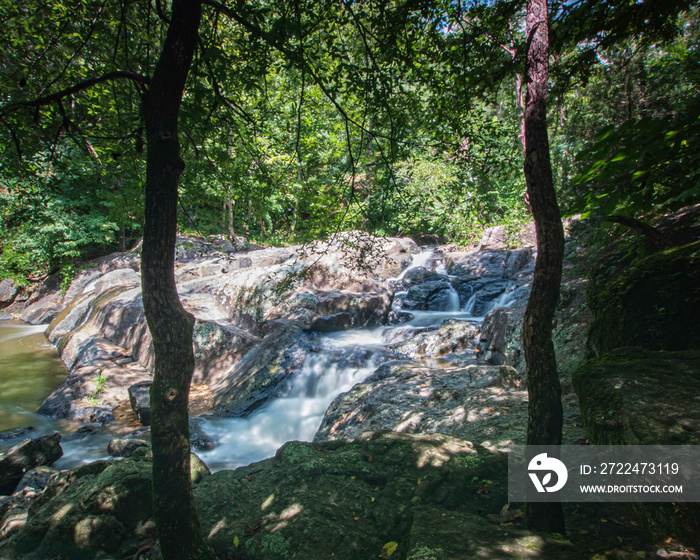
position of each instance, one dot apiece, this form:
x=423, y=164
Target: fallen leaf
x=418, y=481
x=372, y=498
x=236, y=541
x=388, y=549
x=356, y=518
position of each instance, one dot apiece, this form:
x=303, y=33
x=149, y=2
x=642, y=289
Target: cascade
x=345, y=359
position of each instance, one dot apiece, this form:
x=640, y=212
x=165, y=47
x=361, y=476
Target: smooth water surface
x=30, y=370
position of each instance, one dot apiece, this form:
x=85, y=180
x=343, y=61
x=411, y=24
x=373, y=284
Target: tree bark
x=544, y=390
x=170, y=325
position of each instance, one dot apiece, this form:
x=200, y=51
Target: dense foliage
x=401, y=122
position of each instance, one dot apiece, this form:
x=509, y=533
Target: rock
x=8, y=291
x=489, y=263
x=25, y=456
x=433, y=296
x=494, y=239
x=140, y=401
x=451, y=336
x=257, y=376
x=217, y=349
x=465, y=535
x=420, y=275
x=16, y=433
x=654, y=303
x=364, y=494
x=44, y=303
x=36, y=478
x=123, y=447
x=198, y=469
x=501, y=336
x=92, y=392
x=406, y=396
x=88, y=512
x=637, y=396
x=198, y=439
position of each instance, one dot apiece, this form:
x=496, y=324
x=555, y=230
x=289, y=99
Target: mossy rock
x=101, y=510
x=346, y=500
x=87, y=513
x=635, y=396
x=455, y=535
x=655, y=303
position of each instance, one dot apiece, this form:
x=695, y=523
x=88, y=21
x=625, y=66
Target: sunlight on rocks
x=268, y=502
x=281, y=521
x=61, y=513
x=219, y=526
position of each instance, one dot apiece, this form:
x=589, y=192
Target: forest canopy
x=406, y=120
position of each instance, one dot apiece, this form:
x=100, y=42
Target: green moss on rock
x=655, y=303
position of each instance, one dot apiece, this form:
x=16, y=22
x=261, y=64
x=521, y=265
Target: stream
x=31, y=370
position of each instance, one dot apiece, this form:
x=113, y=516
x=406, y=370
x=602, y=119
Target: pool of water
x=30, y=370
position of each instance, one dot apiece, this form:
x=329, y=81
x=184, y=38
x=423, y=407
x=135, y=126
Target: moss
x=427, y=553
x=654, y=303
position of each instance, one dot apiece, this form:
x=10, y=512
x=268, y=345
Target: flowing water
x=30, y=370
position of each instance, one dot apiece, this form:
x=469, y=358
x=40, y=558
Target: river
x=31, y=370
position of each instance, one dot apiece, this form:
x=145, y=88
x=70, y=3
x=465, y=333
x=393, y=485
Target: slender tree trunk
x=171, y=326
x=229, y=219
x=545, y=408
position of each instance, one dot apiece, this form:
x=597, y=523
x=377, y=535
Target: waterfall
x=469, y=306
x=297, y=414
x=453, y=300
x=421, y=259
x=506, y=299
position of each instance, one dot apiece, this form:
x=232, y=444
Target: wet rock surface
x=27, y=455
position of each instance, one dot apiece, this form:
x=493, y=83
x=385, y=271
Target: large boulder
x=490, y=263
x=384, y=494
x=433, y=296
x=441, y=341
x=478, y=403
x=636, y=396
x=25, y=456
x=8, y=291
x=262, y=371
x=94, y=389
x=44, y=303
x=655, y=303
x=350, y=500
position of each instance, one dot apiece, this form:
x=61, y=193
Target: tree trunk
x=544, y=390
x=171, y=326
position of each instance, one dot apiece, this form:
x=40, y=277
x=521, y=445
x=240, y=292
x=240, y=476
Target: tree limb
x=80, y=86
x=658, y=239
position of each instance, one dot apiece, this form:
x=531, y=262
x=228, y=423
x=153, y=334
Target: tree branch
x=80, y=86
x=658, y=239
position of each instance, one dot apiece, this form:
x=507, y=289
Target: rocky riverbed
x=302, y=343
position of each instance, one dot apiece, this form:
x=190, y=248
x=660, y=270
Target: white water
x=469, y=306
x=297, y=415
x=453, y=300
x=346, y=358
x=506, y=299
